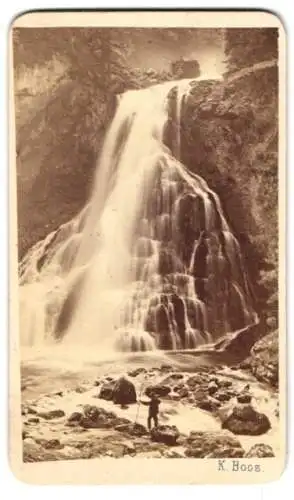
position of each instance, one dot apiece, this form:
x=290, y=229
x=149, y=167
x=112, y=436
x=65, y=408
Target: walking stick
x=139, y=402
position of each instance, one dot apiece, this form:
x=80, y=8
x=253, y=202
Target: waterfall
x=150, y=262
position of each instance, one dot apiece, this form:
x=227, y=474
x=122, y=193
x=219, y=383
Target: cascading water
x=150, y=262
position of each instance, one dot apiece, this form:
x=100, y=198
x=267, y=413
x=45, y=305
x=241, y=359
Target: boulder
x=166, y=368
x=244, y=419
x=124, y=392
x=223, y=396
x=178, y=387
x=184, y=392
x=213, y=445
x=132, y=429
x=51, y=414
x=212, y=388
x=106, y=391
x=136, y=372
x=264, y=359
x=167, y=434
x=58, y=393
x=208, y=404
x=159, y=389
x=244, y=398
x=31, y=410
x=260, y=450
x=200, y=395
x=195, y=380
x=239, y=343
x=97, y=418
x=172, y=378
x=52, y=444
x=33, y=420
x=225, y=383
x=74, y=419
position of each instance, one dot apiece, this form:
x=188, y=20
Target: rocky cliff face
x=264, y=359
x=230, y=138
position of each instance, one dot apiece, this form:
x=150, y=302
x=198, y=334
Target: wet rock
x=81, y=389
x=33, y=420
x=223, y=396
x=264, y=359
x=168, y=262
x=184, y=393
x=165, y=337
x=31, y=410
x=260, y=450
x=195, y=380
x=51, y=414
x=180, y=316
x=244, y=365
x=182, y=440
x=96, y=418
x=178, y=387
x=225, y=383
x=244, y=419
x=167, y=434
x=124, y=392
x=106, y=391
x=208, y=404
x=26, y=410
x=213, y=445
x=144, y=247
x=52, y=444
x=172, y=378
x=242, y=339
x=159, y=389
x=212, y=387
x=132, y=429
x=68, y=307
x=244, y=398
x=200, y=395
x=137, y=371
x=74, y=419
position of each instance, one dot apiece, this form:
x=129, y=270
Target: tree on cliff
x=247, y=46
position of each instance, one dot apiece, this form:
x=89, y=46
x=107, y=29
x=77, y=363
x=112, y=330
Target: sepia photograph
x=147, y=304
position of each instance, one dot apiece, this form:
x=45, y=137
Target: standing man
x=153, y=410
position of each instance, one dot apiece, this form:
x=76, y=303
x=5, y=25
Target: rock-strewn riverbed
x=212, y=412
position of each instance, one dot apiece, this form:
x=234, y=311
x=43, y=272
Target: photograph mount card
x=147, y=247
